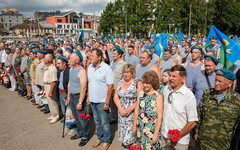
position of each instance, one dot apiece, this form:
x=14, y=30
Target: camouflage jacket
x=17, y=63
x=218, y=122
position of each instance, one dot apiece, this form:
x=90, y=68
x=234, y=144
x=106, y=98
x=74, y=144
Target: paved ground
x=23, y=127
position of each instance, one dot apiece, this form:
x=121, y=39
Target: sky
x=28, y=7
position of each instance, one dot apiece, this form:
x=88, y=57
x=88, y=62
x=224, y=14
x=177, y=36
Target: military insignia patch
x=230, y=105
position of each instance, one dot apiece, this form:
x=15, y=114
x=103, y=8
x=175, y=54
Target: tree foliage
x=144, y=16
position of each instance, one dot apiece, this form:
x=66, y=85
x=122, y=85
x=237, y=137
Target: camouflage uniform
x=20, y=79
x=218, y=122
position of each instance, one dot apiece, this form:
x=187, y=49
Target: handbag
x=69, y=116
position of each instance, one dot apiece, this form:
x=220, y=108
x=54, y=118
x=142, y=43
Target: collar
x=98, y=66
x=181, y=90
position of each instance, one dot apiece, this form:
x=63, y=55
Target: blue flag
x=154, y=37
x=230, y=51
x=181, y=37
x=45, y=43
x=81, y=37
x=122, y=36
x=175, y=37
x=160, y=45
x=235, y=39
x=103, y=36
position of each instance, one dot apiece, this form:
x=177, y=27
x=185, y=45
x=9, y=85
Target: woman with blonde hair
x=125, y=98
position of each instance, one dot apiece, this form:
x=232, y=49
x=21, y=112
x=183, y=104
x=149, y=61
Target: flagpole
x=190, y=19
x=94, y=21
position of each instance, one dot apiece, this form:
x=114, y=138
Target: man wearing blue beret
x=77, y=87
x=116, y=65
x=206, y=78
x=195, y=66
x=218, y=114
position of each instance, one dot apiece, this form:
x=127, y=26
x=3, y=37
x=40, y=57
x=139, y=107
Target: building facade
x=10, y=17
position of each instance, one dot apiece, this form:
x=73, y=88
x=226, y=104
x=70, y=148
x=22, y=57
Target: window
x=10, y=20
x=59, y=21
x=59, y=26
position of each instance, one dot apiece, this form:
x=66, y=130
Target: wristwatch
x=80, y=103
x=107, y=104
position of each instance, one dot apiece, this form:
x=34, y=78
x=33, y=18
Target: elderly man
x=50, y=80
x=206, y=78
x=100, y=88
x=77, y=86
x=116, y=66
x=145, y=65
x=218, y=114
x=180, y=111
x=39, y=81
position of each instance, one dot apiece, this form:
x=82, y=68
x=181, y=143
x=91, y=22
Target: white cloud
x=28, y=7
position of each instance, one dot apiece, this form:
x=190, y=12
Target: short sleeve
x=191, y=109
x=53, y=74
x=109, y=75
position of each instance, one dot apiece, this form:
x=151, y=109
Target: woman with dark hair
x=148, y=113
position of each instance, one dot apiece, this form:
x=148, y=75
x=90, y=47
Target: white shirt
x=179, y=112
x=4, y=56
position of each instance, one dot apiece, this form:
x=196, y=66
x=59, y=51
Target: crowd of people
x=126, y=83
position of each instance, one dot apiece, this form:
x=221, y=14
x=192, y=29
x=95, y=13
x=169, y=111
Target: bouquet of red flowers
x=62, y=91
x=42, y=94
x=18, y=69
x=174, y=134
x=136, y=145
x=86, y=112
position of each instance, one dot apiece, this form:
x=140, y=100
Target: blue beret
x=151, y=46
x=175, y=45
x=34, y=51
x=61, y=41
x=36, y=46
x=69, y=49
x=213, y=58
x=118, y=49
x=213, y=38
x=20, y=47
x=14, y=43
x=149, y=51
x=41, y=52
x=79, y=54
x=26, y=44
x=7, y=48
x=196, y=47
x=24, y=49
x=62, y=58
x=88, y=46
x=225, y=73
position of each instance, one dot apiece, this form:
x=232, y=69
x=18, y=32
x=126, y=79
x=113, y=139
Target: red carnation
x=170, y=132
x=175, y=138
x=176, y=132
x=18, y=69
x=14, y=76
x=62, y=91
